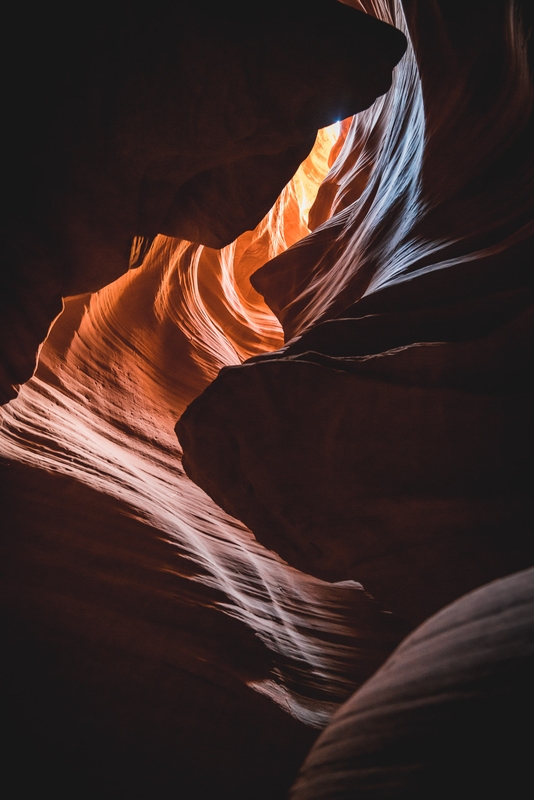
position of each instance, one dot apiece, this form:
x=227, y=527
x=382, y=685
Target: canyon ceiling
x=265, y=365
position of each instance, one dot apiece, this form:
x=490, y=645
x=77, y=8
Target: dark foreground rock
x=448, y=715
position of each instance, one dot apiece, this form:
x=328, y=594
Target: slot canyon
x=266, y=347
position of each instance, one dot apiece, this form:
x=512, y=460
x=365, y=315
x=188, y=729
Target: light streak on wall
x=101, y=410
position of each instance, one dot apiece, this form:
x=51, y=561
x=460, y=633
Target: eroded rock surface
x=155, y=118
x=447, y=715
x=387, y=442
x=152, y=647
x=155, y=647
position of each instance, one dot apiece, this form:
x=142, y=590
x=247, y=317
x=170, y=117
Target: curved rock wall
x=147, y=118
x=448, y=713
x=387, y=441
x=155, y=646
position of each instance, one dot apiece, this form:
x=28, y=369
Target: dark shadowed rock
x=437, y=178
x=404, y=470
x=448, y=715
x=116, y=680
x=152, y=648
x=138, y=119
x=388, y=440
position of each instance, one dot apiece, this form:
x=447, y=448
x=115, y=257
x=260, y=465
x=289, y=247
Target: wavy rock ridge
x=395, y=425
x=155, y=647
x=138, y=614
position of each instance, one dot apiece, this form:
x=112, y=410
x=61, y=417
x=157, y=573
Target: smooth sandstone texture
x=152, y=647
x=164, y=117
x=448, y=715
x=432, y=199
x=120, y=677
x=417, y=490
x=389, y=440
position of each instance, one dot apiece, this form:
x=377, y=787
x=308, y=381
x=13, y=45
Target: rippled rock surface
x=447, y=715
x=159, y=118
x=387, y=441
x=376, y=429
x=153, y=647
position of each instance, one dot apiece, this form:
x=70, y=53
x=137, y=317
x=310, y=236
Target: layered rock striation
x=147, y=118
x=388, y=440
x=153, y=646
x=370, y=422
x=448, y=713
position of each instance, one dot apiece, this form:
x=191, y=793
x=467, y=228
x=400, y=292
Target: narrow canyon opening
x=241, y=474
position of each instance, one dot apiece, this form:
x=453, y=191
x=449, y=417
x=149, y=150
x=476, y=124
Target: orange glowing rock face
x=143, y=588
x=170, y=120
x=414, y=283
x=115, y=373
x=189, y=310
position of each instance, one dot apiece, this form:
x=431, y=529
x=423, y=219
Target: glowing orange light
x=115, y=373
